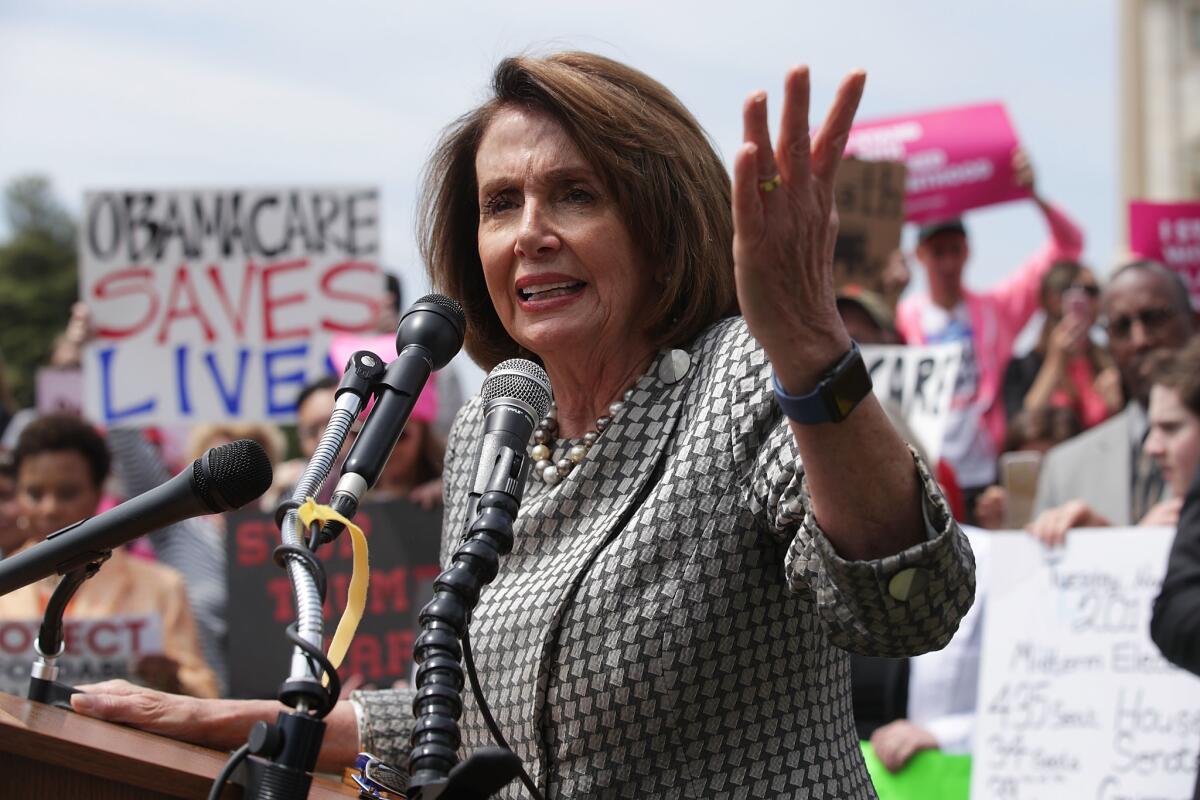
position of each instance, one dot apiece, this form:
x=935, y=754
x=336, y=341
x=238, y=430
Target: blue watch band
x=839, y=391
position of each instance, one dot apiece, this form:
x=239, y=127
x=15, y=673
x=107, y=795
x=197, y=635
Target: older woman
x=691, y=566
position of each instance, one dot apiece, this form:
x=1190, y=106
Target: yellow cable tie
x=356, y=595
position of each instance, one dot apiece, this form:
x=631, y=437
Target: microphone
x=515, y=396
x=429, y=335
x=224, y=478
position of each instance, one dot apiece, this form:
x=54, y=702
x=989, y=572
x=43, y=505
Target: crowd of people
x=1107, y=397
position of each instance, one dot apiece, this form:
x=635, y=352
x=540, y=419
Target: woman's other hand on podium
x=218, y=724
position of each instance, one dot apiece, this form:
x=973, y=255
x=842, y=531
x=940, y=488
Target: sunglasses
x=1152, y=320
x=1090, y=289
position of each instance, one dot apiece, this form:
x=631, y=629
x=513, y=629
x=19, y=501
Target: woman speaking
x=720, y=509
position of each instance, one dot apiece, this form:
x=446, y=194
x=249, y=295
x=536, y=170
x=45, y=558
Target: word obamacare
x=148, y=226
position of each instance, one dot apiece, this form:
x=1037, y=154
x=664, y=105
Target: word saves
x=215, y=304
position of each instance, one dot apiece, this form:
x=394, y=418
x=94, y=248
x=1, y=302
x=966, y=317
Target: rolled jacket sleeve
x=385, y=723
x=902, y=605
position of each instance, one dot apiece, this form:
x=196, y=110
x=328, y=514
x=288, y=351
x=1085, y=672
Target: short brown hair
x=671, y=189
x=56, y=433
x=1179, y=371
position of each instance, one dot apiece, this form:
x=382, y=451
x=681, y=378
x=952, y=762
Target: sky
x=173, y=94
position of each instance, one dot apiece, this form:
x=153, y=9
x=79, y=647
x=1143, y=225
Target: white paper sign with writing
x=212, y=305
x=1075, y=701
x=97, y=649
x=920, y=381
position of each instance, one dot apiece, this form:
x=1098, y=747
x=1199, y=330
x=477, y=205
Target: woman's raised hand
x=785, y=228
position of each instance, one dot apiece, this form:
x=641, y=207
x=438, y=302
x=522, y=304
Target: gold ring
x=771, y=183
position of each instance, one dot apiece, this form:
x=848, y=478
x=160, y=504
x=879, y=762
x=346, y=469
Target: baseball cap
x=951, y=225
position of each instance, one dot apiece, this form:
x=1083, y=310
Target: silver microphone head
x=519, y=379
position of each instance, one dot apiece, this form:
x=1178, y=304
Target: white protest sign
x=1074, y=698
x=96, y=649
x=220, y=304
x=920, y=380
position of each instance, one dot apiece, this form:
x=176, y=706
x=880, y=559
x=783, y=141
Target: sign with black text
x=403, y=542
x=870, y=207
x=1074, y=698
x=220, y=304
x=919, y=380
x=96, y=649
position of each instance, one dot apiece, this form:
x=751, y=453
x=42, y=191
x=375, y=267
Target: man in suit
x=1101, y=477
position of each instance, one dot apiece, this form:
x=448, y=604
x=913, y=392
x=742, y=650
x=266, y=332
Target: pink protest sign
x=957, y=159
x=1170, y=233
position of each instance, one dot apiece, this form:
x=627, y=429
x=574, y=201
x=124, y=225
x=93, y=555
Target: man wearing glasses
x=1146, y=309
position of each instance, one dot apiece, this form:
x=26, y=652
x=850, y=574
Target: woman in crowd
x=61, y=465
x=1066, y=369
x=700, y=545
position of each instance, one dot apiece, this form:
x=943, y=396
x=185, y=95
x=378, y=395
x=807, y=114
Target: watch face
x=849, y=386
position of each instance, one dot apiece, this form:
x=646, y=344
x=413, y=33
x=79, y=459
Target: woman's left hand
x=785, y=228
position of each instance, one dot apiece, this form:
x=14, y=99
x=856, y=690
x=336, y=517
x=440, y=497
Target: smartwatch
x=841, y=388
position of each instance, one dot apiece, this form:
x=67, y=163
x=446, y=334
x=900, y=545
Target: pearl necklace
x=543, y=437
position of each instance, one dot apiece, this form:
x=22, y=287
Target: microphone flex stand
x=51, y=642
x=433, y=763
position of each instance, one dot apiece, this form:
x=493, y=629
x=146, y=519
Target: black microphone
x=429, y=335
x=515, y=396
x=224, y=478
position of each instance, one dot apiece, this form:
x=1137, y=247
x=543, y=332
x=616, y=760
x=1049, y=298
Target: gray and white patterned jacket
x=671, y=621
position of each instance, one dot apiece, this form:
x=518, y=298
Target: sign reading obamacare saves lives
x=219, y=304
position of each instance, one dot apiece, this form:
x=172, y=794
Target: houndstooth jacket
x=671, y=621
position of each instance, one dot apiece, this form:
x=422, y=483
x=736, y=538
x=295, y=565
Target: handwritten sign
x=870, y=206
x=957, y=158
x=920, y=380
x=211, y=305
x=1170, y=233
x=97, y=649
x=404, y=542
x=1074, y=698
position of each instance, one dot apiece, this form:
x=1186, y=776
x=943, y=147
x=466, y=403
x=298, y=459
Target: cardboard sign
x=1074, y=698
x=212, y=305
x=97, y=649
x=404, y=541
x=59, y=391
x=870, y=206
x=920, y=380
x=1170, y=233
x=957, y=158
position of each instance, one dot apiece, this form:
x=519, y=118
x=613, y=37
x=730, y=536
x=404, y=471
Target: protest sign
x=958, y=158
x=59, y=391
x=1074, y=698
x=211, y=305
x=403, y=542
x=920, y=381
x=870, y=206
x=96, y=649
x=1170, y=233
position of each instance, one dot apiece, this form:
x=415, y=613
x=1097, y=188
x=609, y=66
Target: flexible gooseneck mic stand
x=433, y=764
x=51, y=642
x=281, y=756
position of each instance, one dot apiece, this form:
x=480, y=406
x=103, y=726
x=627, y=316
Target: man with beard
x=1101, y=476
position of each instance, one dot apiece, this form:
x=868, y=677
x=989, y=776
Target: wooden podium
x=46, y=752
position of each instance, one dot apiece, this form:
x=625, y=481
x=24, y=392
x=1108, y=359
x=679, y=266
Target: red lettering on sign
x=254, y=541
x=425, y=573
x=124, y=283
x=391, y=583
x=135, y=634
x=237, y=316
x=365, y=657
x=15, y=638
x=181, y=284
x=370, y=303
x=281, y=590
x=399, y=645
x=108, y=631
x=270, y=302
